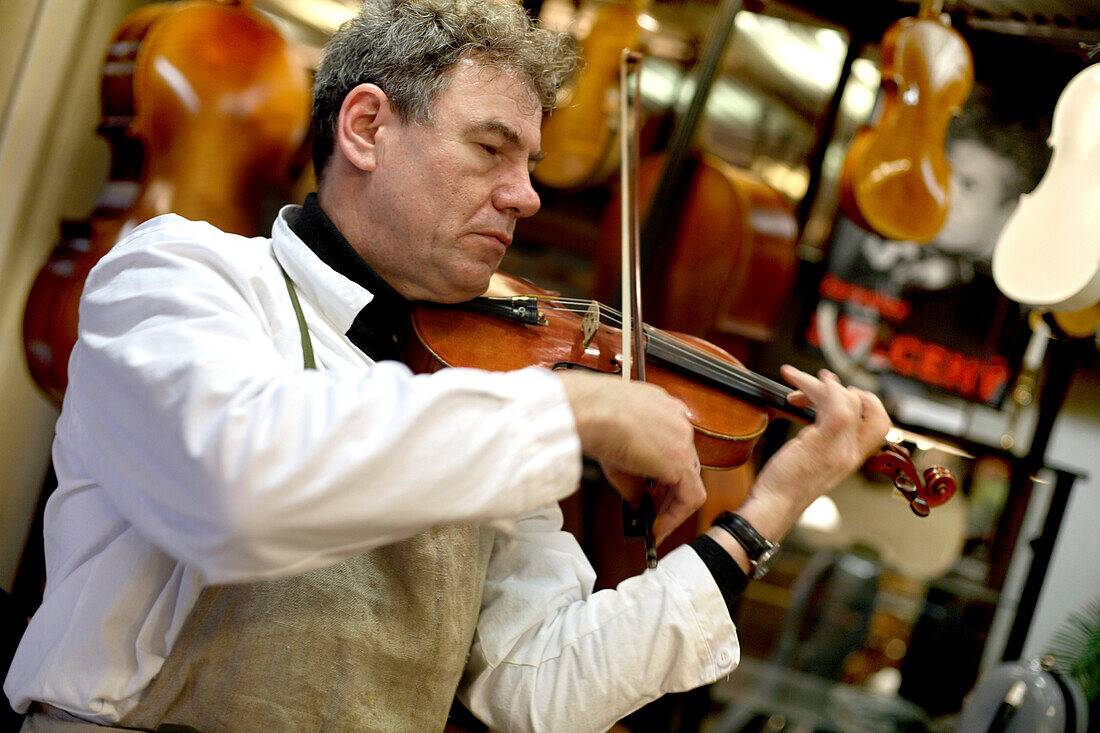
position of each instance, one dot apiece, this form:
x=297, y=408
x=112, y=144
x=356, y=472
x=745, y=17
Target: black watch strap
x=761, y=551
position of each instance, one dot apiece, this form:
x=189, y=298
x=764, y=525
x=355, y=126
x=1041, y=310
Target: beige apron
x=375, y=643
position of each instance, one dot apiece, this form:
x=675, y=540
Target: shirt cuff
x=729, y=576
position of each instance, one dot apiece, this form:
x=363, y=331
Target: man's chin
x=468, y=287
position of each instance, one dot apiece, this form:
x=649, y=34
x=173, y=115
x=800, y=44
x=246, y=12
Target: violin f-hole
x=617, y=370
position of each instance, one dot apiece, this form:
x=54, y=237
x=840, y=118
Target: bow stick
x=637, y=521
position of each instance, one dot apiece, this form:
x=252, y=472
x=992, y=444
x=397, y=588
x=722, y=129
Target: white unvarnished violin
x=1048, y=254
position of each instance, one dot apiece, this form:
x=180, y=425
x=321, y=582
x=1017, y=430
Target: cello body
x=1048, y=253
x=204, y=106
x=895, y=179
x=730, y=263
x=718, y=258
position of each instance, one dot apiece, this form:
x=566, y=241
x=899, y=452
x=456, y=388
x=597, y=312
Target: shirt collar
x=381, y=315
x=332, y=294
x=319, y=234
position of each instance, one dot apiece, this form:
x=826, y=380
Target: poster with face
x=927, y=317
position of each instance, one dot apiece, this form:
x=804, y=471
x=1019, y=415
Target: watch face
x=761, y=551
x=764, y=562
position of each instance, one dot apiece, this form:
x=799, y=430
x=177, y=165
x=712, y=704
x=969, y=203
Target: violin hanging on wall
x=1048, y=253
x=204, y=106
x=579, y=137
x=895, y=181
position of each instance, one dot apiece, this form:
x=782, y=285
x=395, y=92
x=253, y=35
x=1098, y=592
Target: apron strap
x=307, y=345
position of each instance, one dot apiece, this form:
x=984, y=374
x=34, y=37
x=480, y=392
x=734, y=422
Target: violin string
x=690, y=356
x=687, y=354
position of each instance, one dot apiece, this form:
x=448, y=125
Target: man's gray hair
x=409, y=47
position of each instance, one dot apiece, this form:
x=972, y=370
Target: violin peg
x=940, y=485
x=895, y=462
x=898, y=450
x=919, y=507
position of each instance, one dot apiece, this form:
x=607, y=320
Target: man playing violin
x=239, y=541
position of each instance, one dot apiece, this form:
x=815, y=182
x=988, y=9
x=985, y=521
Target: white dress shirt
x=193, y=449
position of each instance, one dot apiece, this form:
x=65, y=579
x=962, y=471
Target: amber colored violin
x=579, y=137
x=895, y=179
x=729, y=405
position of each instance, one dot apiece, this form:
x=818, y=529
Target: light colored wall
x=53, y=165
x=1073, y=578
x=16, y=19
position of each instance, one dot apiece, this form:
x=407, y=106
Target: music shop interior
x=901, y=192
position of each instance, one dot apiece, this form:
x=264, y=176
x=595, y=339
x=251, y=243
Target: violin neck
x=930, y=8
x=721, y=374
x=672, y=353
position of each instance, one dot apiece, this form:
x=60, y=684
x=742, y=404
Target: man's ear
x=364, y=111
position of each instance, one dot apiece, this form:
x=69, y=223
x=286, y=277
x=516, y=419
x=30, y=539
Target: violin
x=579, y=137
x=729, y=405
x=1048, y=253
x=895, y=178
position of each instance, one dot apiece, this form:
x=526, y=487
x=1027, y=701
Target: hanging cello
x=895, y=178
x=204, y=105
x=718, y=244
x=716, y=254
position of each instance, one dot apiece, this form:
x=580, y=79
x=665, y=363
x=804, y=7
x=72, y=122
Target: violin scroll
x=937, y=486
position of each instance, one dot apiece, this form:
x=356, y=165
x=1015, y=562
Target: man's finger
x=812, y=388
x=680, y=504
x=629, y=486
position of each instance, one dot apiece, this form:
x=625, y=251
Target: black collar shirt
x=383, y=324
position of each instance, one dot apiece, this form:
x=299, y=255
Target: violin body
x=1048, y=253
x=857, y=148
x=896, y=177
x=204, y=105
x=726, y=430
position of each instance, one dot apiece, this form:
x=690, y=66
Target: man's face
x=445, y=197
x=979, y=201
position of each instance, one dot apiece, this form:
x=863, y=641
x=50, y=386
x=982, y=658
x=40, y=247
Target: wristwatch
x=761, y=550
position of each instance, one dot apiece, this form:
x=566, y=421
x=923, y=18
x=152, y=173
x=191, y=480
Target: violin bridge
x=591, y=323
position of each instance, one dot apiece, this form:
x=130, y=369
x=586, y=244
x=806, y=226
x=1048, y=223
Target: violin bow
x=637, y=521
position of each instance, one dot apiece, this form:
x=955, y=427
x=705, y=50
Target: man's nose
x=518, y=194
